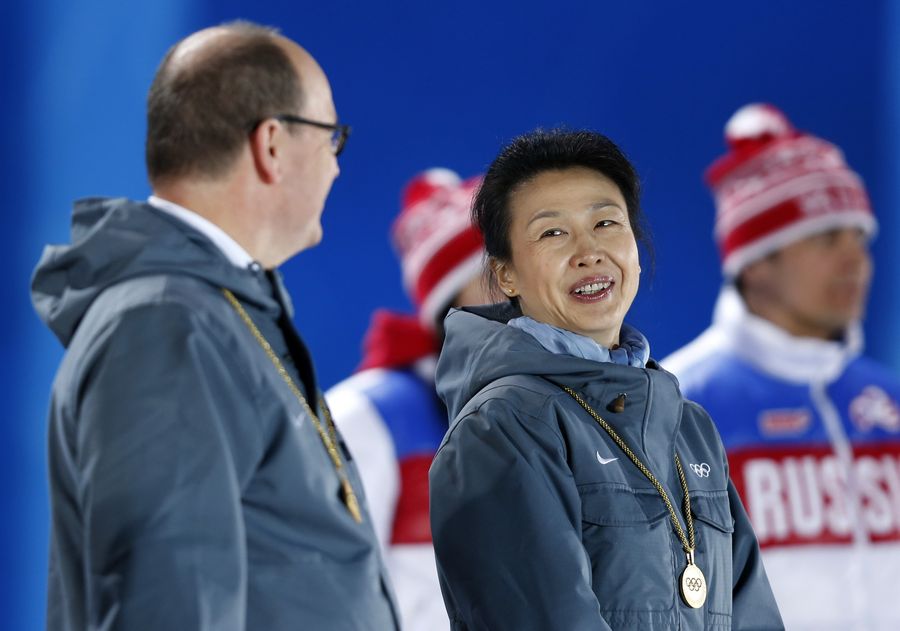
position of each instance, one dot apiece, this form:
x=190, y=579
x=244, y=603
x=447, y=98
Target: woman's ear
x=506, y=277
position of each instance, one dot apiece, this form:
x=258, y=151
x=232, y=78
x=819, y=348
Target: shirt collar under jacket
x=633, y=349
x=777, y=352
x=238, y=256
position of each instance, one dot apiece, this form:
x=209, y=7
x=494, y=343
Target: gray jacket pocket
x=627, y=537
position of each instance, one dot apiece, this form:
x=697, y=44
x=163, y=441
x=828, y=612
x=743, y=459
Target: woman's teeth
x=592, y=288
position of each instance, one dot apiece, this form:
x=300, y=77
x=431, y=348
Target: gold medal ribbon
x=329, y=438
x=693, y=583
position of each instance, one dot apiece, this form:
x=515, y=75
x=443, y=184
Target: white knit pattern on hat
x=440, y=250
x=777, y=186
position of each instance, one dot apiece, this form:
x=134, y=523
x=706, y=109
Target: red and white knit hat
x=440, y=250
x=778, y=185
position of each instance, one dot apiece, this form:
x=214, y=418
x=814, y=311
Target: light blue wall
x=75, y=127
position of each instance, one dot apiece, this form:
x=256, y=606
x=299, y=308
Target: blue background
x=428, y=84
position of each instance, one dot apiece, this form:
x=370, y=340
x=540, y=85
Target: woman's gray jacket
x=540, y=521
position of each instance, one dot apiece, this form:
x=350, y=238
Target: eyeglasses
x=339, y=133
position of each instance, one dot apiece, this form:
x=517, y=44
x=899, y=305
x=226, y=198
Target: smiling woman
x=554, y=494
x=574, y=260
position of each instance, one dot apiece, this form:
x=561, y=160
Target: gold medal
x=693, y=584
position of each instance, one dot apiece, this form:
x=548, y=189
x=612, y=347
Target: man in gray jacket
x=197, y=480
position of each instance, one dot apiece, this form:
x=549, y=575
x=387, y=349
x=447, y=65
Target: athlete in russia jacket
x=812, y=430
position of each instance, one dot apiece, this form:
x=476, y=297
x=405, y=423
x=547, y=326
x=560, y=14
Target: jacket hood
x=117, y=239
x=480, y=348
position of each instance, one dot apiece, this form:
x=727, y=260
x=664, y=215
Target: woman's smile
x=593, y=289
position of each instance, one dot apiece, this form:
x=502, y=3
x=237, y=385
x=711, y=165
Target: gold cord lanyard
x=693, y=583
x=329, y=438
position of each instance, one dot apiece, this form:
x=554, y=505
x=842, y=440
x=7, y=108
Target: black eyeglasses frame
x=340, y=132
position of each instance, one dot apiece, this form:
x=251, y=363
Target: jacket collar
x=777, y=352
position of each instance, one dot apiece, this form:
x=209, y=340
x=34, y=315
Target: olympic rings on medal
x=694, y=584
x=702, y=469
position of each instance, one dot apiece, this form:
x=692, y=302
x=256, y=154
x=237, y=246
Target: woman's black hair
x=551, y=150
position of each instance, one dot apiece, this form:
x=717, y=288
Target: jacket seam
x=516, y=412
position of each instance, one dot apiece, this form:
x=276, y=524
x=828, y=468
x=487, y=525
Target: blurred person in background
x=576, y=489
x=812, y=427
x=388, y=411
x=196, y=479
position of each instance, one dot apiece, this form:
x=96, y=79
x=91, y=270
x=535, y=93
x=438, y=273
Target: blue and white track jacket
x=812, y=430
x=393, y=423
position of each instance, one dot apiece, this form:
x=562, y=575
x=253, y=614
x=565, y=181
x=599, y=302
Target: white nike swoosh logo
x=604, y=460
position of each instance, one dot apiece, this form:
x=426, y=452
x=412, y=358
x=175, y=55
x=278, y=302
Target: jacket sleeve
x=163, y=436
x=506, y=522
x=753, y=603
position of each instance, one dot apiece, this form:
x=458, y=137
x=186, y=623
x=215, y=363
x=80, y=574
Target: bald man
x=197, y=480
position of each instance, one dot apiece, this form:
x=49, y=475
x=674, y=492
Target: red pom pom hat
x=778, y=185
x=440, y=250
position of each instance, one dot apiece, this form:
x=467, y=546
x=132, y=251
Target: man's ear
x=506, y=277
x=265, y=148
x=758, y=274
